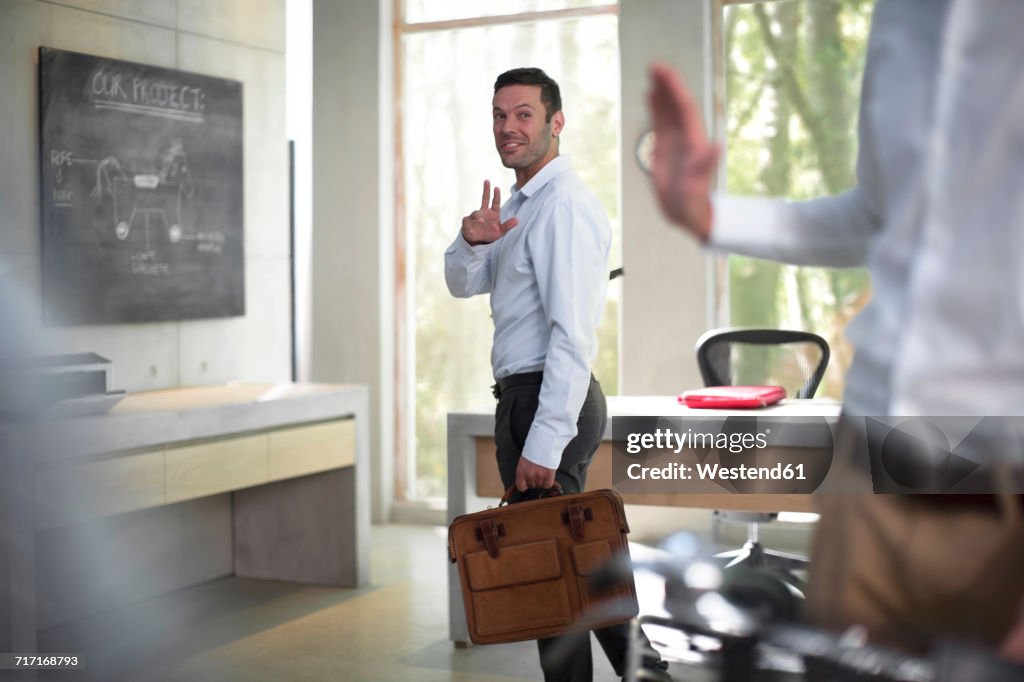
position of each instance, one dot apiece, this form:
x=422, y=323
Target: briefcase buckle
x=488, y=533
x=575, y=516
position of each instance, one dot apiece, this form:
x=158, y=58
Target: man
x=543, y=258
x=936, y=217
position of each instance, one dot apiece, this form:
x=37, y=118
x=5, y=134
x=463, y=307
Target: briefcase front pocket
x=616, y=602
x=520, y=589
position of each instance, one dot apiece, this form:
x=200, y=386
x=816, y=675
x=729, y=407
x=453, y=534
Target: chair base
x=753, y=555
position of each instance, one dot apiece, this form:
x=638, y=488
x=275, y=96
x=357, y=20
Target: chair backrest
x=795, y=360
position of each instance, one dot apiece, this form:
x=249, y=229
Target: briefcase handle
x=553, y=491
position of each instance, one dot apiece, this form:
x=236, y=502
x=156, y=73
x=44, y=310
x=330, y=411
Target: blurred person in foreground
x=937, y=216
x=543, y=258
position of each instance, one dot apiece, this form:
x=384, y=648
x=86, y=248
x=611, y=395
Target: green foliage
x=792, y=75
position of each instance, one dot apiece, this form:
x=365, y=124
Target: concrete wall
x=352, y=318
x=239, y=39
x=665, y=291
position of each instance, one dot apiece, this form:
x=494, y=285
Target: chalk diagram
x=150, y=200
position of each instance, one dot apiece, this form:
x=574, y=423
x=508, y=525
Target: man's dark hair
x=549, y=92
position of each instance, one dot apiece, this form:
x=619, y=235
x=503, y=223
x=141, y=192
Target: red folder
x=732, y=397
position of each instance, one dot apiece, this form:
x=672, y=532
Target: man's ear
x=557, y=123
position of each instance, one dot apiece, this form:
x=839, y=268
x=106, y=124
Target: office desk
x=473, y=481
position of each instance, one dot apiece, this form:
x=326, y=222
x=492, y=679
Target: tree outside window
x=792, y=72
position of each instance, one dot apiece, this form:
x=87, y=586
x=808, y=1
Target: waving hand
x=484, y=225
x=684, y=161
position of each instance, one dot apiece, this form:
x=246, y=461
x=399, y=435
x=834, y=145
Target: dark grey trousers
x=566, y=658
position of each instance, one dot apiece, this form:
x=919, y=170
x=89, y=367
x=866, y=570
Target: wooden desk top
x=668, y=406
x=480, y=425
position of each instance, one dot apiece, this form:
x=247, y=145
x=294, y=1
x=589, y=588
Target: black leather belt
x=524, y=379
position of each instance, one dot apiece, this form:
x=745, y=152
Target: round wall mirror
x=645, y=150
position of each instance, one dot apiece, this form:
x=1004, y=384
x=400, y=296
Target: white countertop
x=153, y=418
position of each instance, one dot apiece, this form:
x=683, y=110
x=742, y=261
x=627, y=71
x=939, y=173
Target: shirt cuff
x=752, y=226
x=729, y=223
x=462, y=245
x=543, y=449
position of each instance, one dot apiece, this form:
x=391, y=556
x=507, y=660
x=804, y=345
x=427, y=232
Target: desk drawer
x=68, y=494
x=112, y=486
x=312, y=449
x=215, y=467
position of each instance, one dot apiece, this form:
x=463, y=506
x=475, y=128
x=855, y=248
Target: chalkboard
x=141, y=171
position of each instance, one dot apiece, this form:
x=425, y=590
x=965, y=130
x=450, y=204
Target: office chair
x=795, y=360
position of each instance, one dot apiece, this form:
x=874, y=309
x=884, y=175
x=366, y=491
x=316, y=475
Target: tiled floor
x=239, y=629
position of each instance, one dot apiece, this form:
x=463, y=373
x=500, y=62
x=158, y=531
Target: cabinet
x=174, y=488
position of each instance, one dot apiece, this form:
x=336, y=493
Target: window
x=447, y=150
x=423, y=11
x=792, y=71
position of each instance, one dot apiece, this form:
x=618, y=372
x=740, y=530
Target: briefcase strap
x=575, y=516
x=488, y=533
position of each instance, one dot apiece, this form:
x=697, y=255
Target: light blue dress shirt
x=548, y=278
x=937, y=215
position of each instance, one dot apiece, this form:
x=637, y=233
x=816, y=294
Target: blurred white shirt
x=548, y=278
x=937, y=215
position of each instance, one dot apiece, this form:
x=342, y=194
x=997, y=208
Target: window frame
x=405, y=327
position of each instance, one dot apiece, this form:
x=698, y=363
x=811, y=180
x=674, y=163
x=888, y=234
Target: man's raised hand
x=684, y=161
x=484, y=225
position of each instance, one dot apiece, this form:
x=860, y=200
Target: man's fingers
x=530, y=475
x=487, y=195
x=693, y=130
x=496, y=204
x=665, y=108
x=670, y=91
x=508, y=225
x=672, y=105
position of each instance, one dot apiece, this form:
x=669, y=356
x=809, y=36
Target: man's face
x=523, y=138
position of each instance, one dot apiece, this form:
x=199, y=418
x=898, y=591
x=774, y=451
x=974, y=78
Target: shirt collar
x=554, y=167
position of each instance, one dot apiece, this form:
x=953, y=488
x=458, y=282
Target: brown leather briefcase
x=526, y=569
